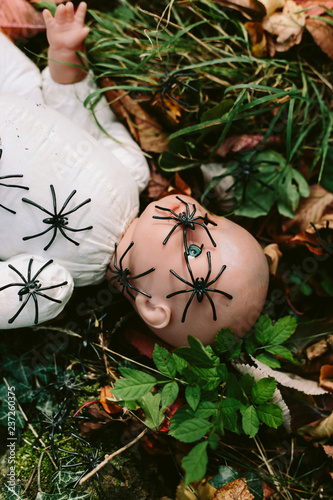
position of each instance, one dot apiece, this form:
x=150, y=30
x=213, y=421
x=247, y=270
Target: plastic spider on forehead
x=187, y=220
x=15, y=176
x=199, y=287
x=88, y=461
x=57, y=220
x=31, y=287
x=123, y=275
x=168, y=82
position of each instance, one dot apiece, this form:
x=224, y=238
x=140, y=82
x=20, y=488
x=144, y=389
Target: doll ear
x=155, y=315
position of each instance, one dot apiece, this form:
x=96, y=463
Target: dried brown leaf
x=316, y=350
x=322, y=34
x=310, y=209
x=328, y=450
x=201, y=490
x=274, y=254
x=320, y=429
x=257, y=38
x=237, y=143
x=326, y=377
x=236, y=490
x=146, y=131
x=315, y=7
x=108, y=405
x=286, y=27
x=19, y=19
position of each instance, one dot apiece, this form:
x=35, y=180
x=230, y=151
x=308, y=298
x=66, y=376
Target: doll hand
x=66, y=30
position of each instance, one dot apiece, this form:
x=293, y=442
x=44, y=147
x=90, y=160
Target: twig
x=110, y=457
x=30, y=480
x=38, y=471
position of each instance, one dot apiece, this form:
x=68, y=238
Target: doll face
x=208, y=272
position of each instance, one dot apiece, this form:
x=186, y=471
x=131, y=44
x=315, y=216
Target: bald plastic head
x=223, y=282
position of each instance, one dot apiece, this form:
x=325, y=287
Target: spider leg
x=13, y=185
x=42, y=269
x=36, y=308
x=180, y=278
x=80, y=358
x=165, y=210
x=88, y=200
x=218, y=275
x=187, y=306
x=29, y=270
x=8, y=209
x=189, y=270
x=171, y=232
x=94, y=348
x=142, y=274
x=47, y=297
x=51, y=287
x=11, y=284
x=37, y=206
x=137, y=290
x=211, y=303
x=78, y=480
x=177, y=100
x=25, y=238
x=163, y=102
x=207, y=231
x=261, y=182
x=67, y=228
x=67, y=238
x=125, y=253
x=220, y=291
x=54, y=200
x=11, y=320
x=18, y=272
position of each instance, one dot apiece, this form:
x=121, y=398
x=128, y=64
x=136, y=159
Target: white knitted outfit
x=50, y=139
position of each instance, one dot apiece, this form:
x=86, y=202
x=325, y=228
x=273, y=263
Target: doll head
x=187, y=272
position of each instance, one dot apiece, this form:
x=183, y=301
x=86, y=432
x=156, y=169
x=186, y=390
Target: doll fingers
x=61, y=14
x=48, y=18
x=69, y=12
x=80, y=13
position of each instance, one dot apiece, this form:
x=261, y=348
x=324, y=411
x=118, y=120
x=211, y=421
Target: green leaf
x=46, y=5
x=187, y=427
x=268, y=360
x=213, y=440
x=224, y=476
x=151, y=405
x=247, y=382
x=195, y=354
x=226, y=343
x=282, y=351
x=283, y=329
x=206, y=409
x=13, y=492
x=195, y=463
x=262, y=329
x=135, y=385
x=270, y=414
x=250, y=421
x=254, y=484
x=164, y=361
x=169, y=393
x=208, y=378
x=263, y=390
x=63, y=478
x=234, y=389
x=192, y=395
x=181, y=364
x=229, y=409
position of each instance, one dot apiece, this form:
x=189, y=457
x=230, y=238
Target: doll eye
x=194, y=251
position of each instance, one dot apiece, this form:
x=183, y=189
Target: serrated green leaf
x=213, y=440
x=46, y=5
x=270, y=414
x=250, y=421
x=262, y=330
x=224, y=476
x=227, y=344
x=181, y=364
x=206, y=409
x=268, y=360
x=229, y=409
x=151, y=405
x=164, y=361
x=192, y=395
x=247, y=382
x=195, y=463
x=282, y=351
x=169, y=393
x=263, y=390
x=234, y=389
x=187, y=427
x=195, y=353
x=208, y=378
x=283, y=329
x=135, y=385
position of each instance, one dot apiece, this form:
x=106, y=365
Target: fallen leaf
x=257, y=38
x=310, y=209
x=322, y=34
x=109, y=406
x=312, y=241
x=249, y=8
x=326, y=377
x=236, y=490
x=272, y=6
x=146, y=131
x=315, y=7
x=19, y=19
x=287, y=26
x=237, y=143
x=319, y=429
x=316, y=349
x=201, y=490
x=158, y=185
x=328, y=450
x=274, y=254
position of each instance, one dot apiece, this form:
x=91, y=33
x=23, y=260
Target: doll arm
x=66, y=34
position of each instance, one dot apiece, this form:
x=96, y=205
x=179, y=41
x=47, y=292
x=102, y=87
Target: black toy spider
x=66, y=386
x=123, y=275
x=89, y=461
x=15, y=176
x=169, y=81
x=31, y=287
x=243, y=171
x=58, y=220
x=93, y=324
x=199, y=286
x=187, y=220
x=54, y=424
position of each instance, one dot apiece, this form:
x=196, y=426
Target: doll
x=69, y=203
